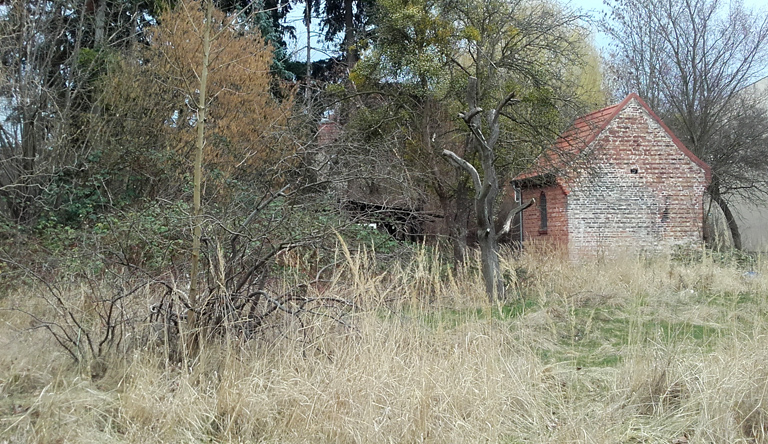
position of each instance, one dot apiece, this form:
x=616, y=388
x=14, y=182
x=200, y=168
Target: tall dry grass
x=633, y=350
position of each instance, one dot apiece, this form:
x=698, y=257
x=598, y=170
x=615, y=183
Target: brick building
x=617, y=180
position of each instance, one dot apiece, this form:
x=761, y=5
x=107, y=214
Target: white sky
x=320, y=49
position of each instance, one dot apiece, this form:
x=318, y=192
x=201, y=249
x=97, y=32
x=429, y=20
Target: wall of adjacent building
x=642, y=193
x=557, y=218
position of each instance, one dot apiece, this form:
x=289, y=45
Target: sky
x=321, y=50
x=598, y=9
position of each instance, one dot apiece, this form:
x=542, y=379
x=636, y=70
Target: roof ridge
x=585, y=129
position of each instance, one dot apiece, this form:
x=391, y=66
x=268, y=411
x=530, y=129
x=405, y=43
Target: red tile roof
x=583, y=132
x=571, y=143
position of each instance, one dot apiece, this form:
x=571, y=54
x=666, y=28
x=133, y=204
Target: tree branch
x=263, y=204
x=493, y=117
x=506, y=101
x=468, y=116
x=466, y=166
x=511, y=215
x=478, y=134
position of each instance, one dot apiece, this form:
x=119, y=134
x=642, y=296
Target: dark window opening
x=543, y=212
x=665, y=211
x=633, y=170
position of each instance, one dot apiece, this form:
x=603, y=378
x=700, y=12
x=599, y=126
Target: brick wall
x=638, y=191
x=642, y=193
x=557, y=219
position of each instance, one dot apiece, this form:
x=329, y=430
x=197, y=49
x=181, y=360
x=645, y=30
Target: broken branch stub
x=511, y=215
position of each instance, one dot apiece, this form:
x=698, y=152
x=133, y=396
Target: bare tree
x=53, y=54
x=200, y=119
x=519, y=59
x=486, y=188
x=40, y=89
x=690, y=60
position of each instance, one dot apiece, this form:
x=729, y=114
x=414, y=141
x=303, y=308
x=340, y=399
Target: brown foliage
x=149, y=102
x=245, y=117
x=243, y=112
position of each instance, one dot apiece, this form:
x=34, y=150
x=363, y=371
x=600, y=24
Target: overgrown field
x=662, y=350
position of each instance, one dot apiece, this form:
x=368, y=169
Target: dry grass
x=655, y=351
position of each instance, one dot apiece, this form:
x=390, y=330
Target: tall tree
x=690, y=60
x=197, y=181
x=426, y=50
x=517, y=58
x=350, y=17
x=242, y=110
x=486, y=187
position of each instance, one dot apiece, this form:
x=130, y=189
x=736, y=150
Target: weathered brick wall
x=642, y=192
x=557, y=219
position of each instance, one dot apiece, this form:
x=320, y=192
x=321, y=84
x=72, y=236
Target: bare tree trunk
x=101, y=23
x=458, y=224
x=733, y=226
x=486, y=235
x=486, y=231
x=349, y=34
x=486, y=189
x=202, y=107
x=308, y=19
x=28, y=167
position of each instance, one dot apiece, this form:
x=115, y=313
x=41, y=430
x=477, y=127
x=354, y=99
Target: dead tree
x=487, y=187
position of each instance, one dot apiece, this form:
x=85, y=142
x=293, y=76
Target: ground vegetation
x=661, y=350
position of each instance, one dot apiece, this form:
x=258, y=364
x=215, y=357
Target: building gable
x=636, y=186
x=583, y=132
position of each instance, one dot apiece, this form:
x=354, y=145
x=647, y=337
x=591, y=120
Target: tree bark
x=100, y=23
x=308, y=19
x=733, y=226
x=349, y=34
x=202, y=107
x=458, y=225
x=486, y=238
x=26, y=171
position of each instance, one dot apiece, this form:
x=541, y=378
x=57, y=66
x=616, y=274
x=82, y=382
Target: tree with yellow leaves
x=219, y=65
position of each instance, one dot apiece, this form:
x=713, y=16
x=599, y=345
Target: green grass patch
x=452, y=318
x=600, y=337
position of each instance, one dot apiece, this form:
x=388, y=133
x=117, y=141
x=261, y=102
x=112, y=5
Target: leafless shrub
x=91, y=321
